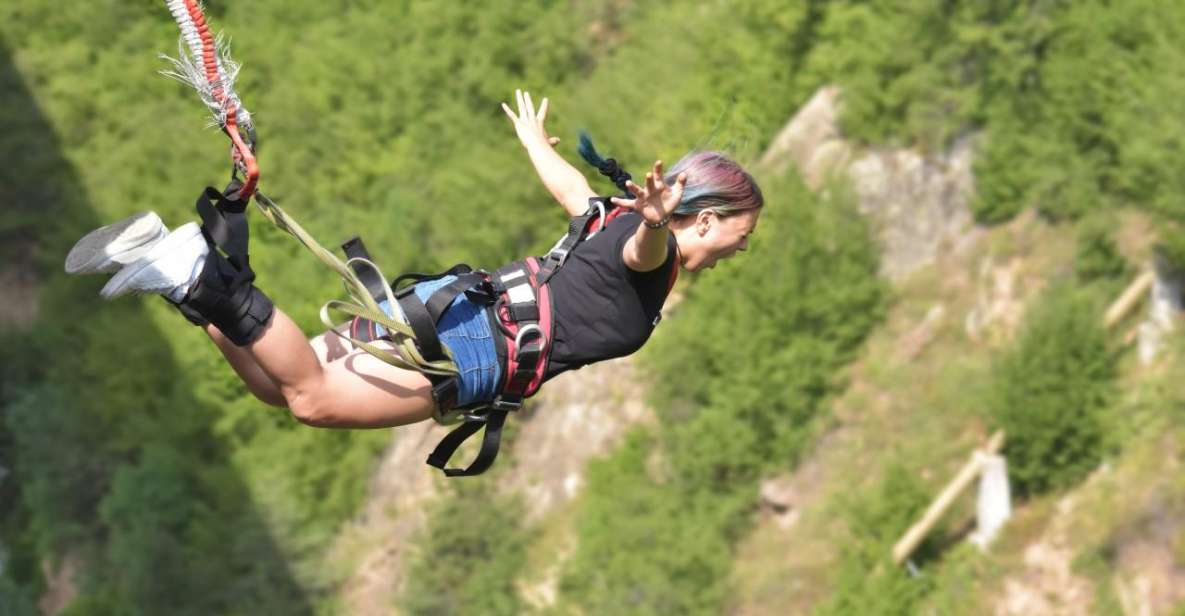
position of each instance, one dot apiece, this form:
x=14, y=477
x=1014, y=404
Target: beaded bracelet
x=658, y=225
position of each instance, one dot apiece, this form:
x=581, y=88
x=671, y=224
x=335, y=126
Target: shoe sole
x=106, y=249
x=120, y=283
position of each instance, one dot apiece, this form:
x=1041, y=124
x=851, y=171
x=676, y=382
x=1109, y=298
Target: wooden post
x=916, y=533
x=1131, y=297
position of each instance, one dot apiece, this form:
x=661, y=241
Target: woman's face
x=718, y=237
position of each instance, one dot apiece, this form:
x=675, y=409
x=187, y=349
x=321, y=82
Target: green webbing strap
x=363, y=305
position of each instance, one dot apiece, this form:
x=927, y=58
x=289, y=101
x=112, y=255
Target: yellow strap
x=363, y=304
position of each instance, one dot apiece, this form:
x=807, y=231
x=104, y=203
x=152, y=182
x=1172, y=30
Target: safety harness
x=518, y=301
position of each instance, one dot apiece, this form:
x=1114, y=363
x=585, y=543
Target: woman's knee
x=310, y=410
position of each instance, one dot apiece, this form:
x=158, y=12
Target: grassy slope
x=926, y=414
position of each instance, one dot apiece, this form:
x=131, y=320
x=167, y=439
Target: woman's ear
x=703, y=221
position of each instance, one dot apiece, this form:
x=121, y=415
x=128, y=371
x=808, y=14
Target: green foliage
x=382, y=117
x=473, y=550
x=868, y=582
x=1171, y=252
x=14, y=601
x=1097, y=257
x=643, y=548
x=747, y=363
x=60, y=486
x=1051, y=392
x=1075, y=98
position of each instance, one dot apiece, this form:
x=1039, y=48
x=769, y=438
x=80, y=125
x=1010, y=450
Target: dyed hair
x=714, y=182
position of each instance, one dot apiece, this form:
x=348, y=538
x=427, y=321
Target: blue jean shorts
x=465, y=330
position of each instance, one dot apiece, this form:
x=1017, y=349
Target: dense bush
x=470, y=555
x=1050, y=393
x=644, y=548
x=14, y=600
x=867, y=580
x=1097, y=257
x=1170, y=252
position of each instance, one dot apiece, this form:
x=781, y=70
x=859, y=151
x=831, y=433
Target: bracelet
x=657, y=225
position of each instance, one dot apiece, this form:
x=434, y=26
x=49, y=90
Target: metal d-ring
x=600, y=221
x=518, y=339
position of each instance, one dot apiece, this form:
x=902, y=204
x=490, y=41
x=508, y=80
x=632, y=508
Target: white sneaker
x=106, y=249
x=169, y=267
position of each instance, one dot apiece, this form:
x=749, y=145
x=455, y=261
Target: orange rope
x=245, y=157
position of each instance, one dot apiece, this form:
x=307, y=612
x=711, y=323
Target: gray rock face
x=918, y=205
x=579, y=415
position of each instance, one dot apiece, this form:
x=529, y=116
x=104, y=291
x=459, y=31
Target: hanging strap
x=224, y=224
x=356, y=249
x=490, y=443
x=579, y=228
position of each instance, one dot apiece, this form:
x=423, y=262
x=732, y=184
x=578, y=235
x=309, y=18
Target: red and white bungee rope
x=204, y=63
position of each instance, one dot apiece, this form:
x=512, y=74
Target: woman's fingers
x=652, y=183
x=553, y=140
x=530, y=109
x=639, y=192
x=509, y=112
x=542, y=112
x=628, y=204
x=676, y=193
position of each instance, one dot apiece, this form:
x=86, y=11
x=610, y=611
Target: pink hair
x=715, y=182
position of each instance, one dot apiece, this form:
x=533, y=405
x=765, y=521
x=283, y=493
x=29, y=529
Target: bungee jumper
x=464, y=345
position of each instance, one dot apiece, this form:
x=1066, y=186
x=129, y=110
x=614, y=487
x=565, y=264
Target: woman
x=606, y=297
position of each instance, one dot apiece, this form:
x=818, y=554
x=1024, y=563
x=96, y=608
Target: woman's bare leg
x=323, y=383
x=257, y=381
x=327, y=346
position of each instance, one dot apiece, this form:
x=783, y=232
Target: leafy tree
x=473, y=550
x=1097, y=257
x=868, y=582
x=1051, y=391
x=15, y=602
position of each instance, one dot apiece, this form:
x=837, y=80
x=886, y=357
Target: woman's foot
x=106, y=249
x=169, y=267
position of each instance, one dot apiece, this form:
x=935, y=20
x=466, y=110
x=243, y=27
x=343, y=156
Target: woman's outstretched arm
x=562, y=180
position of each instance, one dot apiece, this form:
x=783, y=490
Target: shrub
x=471, y=553
x=13, y=600
x=868, y=582
x=1097, y=257
x=1050, y=392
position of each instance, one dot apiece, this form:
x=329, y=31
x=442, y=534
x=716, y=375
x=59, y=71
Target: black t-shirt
x=602, y=309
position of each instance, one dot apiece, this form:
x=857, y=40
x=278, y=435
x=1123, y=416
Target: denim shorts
x=465, y=330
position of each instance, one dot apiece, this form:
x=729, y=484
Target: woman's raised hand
x=657, y=200
x=528, y=122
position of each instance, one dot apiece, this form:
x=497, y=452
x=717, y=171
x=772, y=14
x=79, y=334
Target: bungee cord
x=204, y=63
x=208, y=68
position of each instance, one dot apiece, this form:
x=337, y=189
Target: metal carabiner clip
x=601, y=219
x=522, y=332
